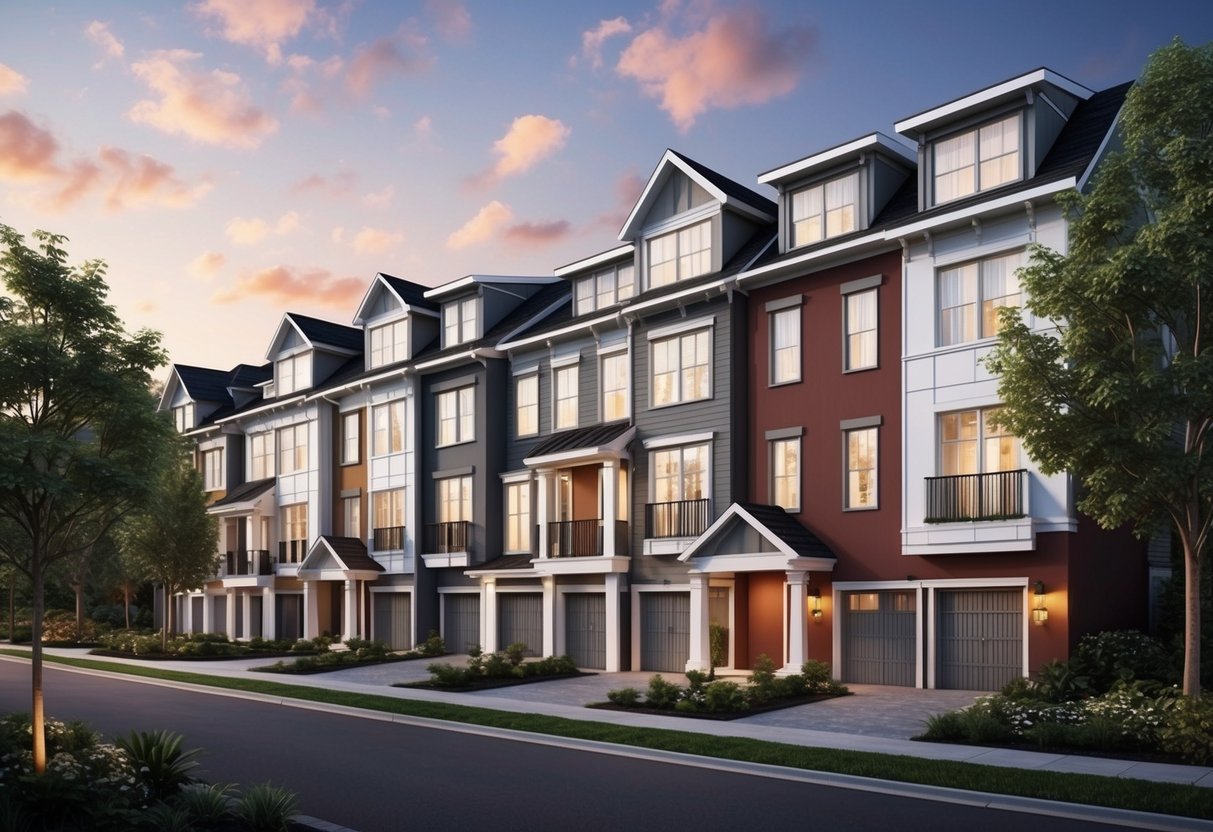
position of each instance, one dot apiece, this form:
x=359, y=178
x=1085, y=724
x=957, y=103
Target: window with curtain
x=785, y=345
x=861, y=474
x=860, y=330
x=681, y=368
x=977, y=160
x=826, y=209
x=971, y=294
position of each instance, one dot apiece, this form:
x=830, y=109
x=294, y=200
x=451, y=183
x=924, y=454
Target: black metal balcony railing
x=956, y=499
x=292, y=551
x=250, y=562
x=445, y=538
x=388, y=538
x=683, y=518
x=584, y=538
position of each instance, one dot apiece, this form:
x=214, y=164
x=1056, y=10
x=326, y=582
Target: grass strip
x=1094, y=790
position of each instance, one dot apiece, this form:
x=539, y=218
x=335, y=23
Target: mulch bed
x=489, y=684
x=778, y=705
x=309, y=671
x=161, y=657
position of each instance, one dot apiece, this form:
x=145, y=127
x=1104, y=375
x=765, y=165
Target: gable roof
x=794, y=545
x=410, y=295
x=204, y=384
x=612, y=439
x=244, y=493
x=346, y=555
x=331, y=334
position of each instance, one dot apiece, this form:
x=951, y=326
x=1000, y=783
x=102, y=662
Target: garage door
x=520, y=621
x=979, y=638
x=878, y=637
x=393, y=619
x=585, y=629
x=461, y=621
x=665, y=631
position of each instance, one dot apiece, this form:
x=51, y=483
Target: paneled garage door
x=461, y=621
x=665, y=631
x=879, y=637
x=979, y=638
x=585, y=629
x=520, y=621
x=394, y=619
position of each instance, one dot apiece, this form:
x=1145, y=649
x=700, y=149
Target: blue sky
x=233, y=159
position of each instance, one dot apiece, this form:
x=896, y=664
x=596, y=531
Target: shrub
x=1188, y=730
x=1052, y=735
x=432, y=646
x=718, y=641
x=366, y=650
x=981, y=725
x=163, y=766
x=60, y=626
x=515, y=652
x=1124, y=656
x=624, y=697
x=266, y=808
x=792, y=686
x=1100, y=733
x=945, y=727
x=448, y=676
x=496, y=666
x=763, y=684
x=662, y=694
x=207, y=805
x=725, y=697
x=1062, y=682
x=816, y=675
x=548, y=666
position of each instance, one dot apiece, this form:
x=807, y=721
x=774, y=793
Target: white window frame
x=850, y=468
x=777, y=446
x=387, y=426
x=517, y=511
x=183, y=417
x=793, y=349
x=849, y=334
x=677, y=396
x=981, y=305
x=979, y=161
x=460, y=404
x=461, y=321
x=298, y=377
x=624, y=392
x=829, y=208
x=682, y=268
x=605, y=288
x=531, y=408
x=388, y=343
x=351, y=516
x=266, y=455
x=564, y=377
x=351, y=440
x=212, y=469
x=980, y=438
x=444, y=501
x=681, y=450
x=297, y=448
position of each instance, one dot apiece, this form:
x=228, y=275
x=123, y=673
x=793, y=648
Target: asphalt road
x=373, y=775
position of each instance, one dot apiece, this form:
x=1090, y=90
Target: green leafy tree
x=79, y=433
x=1121, y=392
x=172, y=541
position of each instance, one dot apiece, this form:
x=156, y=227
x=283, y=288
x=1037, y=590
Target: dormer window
x=292, y=374
x=605, y=288
x=183, y=417
x=826, y=209
x=389, y=343
x=459, y=321
x=680, y=255
x=977, y=159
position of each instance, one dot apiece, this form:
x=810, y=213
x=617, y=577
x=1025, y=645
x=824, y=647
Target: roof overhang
x=873, y=142
x=596, y=260
x=324, y=563
x=617, y=448
x=784, y=558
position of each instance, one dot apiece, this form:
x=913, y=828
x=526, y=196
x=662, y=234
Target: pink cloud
x=402, y=53
x=376, y=240
x=628, y=188
x=451, y=18
x=27, y=151
x=380, y=199
x=12, y=82
x=732, y=61
x=488, y=221
x=592, y=40
x=134, y=180
x=100, y=34
x=285, y=284
x=537, y=234
x=212, y=107
x=529, y=139
x=253, y=230
x=207, y=264
x=264, y=25
x=338, y=184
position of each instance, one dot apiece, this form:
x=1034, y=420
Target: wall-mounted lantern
x=1040, y=613
x=815, y=604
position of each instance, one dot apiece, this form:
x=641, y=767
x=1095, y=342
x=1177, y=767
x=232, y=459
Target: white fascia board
x=534, y=319
x=470, y=355
x=867, y=239
x=174, y=378
x=1017, y=198
x=366, y=296
x=678, y=439
x=361, y=382
x=843, y=150
x=286, y=319
x=1099, y=154
x=477, y=279
x=236, y=417
x=595, y=260
x=544, y=337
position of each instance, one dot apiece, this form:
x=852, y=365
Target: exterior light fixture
x=1040, y=614
x=815, y=604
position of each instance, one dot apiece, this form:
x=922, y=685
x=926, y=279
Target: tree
x=79, y=432
x=172, y=540
x=1120, y=391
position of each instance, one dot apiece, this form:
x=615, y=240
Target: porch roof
x=596, y=440
x=246, y=493
x=780, y=542
x=515, y=564
x=334, y=558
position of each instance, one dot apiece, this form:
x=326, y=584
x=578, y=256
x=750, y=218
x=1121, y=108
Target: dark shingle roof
x=580, y=438
x=506, y=562
x=247, y=491
x=533, y=306
x=247, y=376
x=204, y=384
x=326, y=332
x=352, y=553
x=802, y=541
x=411, y=293
x=733, y=189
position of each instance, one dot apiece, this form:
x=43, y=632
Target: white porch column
x=246, y=616
x=311, y=610
x=208, y=613
x=797, y=622
x=185, y=621
x=612, y=622
x=542, y=499
x=549, y=615
x=700, y=643
x=268, y=618
x=610, y=509
x=230, y=624
x=489, y=624
x=349, y=627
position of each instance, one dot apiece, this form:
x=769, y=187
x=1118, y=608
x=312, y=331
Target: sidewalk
x=875, y=718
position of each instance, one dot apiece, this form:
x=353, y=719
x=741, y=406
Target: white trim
x=927, y=118
x=470, y=280
x=973, y=583
x=1013, y=199
x=872, y=140
x=681, y=327
x=595, y=260
x=875, y=237
x=533, y=369
x=565, y=361
x=611, y=349
x=511, y=477
x=678, y=439
x=1099, y=154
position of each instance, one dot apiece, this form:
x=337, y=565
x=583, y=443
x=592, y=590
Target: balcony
x=292, y=551
x=967, y=497
x=584, y=538
x=682, y=518
x=448, y=538
x=256, y=562
x=388, y=539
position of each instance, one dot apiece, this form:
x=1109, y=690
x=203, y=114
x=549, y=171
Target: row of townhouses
x=763, y=420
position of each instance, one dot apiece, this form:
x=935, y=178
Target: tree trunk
x=12, y=608
x=1192, y=587
x=79, y=590
x=168, y=620
x=38, y=724
x=126, y=601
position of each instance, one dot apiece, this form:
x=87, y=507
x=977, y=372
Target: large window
x=614, y=374
x=861, y=474
x=183, y=417
x=564, y=383
x=971, y=294
x=292, y=449
x=526, y=404
x=859, y=311
x=294, y=532
x=459, y=320
x=681, y=474
x=389, y=343
x=212, y=470
x=977, y=160
x=785, y=473
x=351, y=438
x=456, y=416
x=605, y=288
x=387, y=428
x=825, y=210
x=388, y=517
x=970, y=443
x=294, y=373
x=261, y=452
x=680, y=255
x=518, y=517
x=682, y=368
x=454, y=499
x=785, y=345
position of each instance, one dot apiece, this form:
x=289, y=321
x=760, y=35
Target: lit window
x=212, y=467
x=388, y=517
x=977, y=160
x=518, y=517
x=351, y=516
x=261, y=452
x=183, y=417
x=785, y=473
x=682, y=367
x=680, y=255
x=970, y=443
x=292, y=374
x=292, y=449
x=861, y=468
x=824, y=210
x=459, y=321
x=785, y=346
x=389, y=343
x=526, y=401
x=387, y=428
x=456, y=416
x=351, y=442
x=294, y=533
x=971, y=294
x=605, y=288
x=614, y=375
x=860, y=314
x=681, y=490
x=454, y=499
x=564, y=382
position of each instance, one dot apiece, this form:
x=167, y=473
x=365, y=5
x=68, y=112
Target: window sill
x=849, y=509
x=785, y=383
x=676, y=404
x=455, y=444
x=847, y=372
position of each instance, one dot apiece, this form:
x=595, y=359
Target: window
x=454, y=499
x=977, y=160
x=564, y=382
x=969, y=443
x=861, y=451
x=351, y=516
x=859, y=313
x=388, y=517
x=605, y=288
x=389, y=343
x=183, y=417
x=351, y=442
x=824, y=210
x=680, y=474
x=785, y=346
x=292, y=374
x=456, y=416
x=387, y=428
x=518, y=517
x=614, y=375
x=682, y=368
x=526, y=404
x=459, y=321
x=261, y=451
x=971, y=294
x=294, y=533
x=680, y=255
x=292, y=449
x=785, y=473
x=212, y=470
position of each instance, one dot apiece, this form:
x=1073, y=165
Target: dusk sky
x=235, y=159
